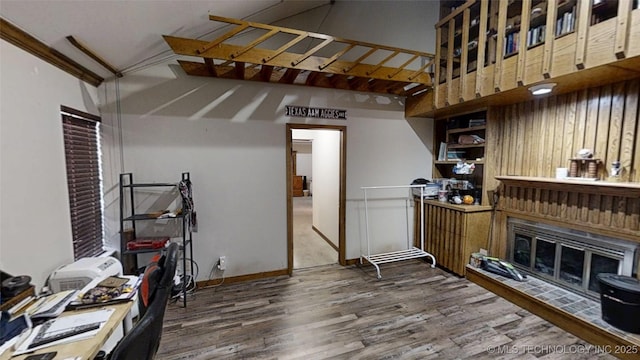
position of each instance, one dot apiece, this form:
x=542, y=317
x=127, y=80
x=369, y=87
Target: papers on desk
x=51, y=305
x=65, y=329
x=9, y=344
x=131, y=284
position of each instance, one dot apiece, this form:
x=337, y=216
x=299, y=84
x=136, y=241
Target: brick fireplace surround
x=606, y=208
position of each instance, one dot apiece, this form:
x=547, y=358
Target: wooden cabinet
x=297, y=185
x=453, y=232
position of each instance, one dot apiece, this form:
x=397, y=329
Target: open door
x=341, y=189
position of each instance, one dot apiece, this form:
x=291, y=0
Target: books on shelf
x=536, y=35
x=477, y=122
x=455, y=155
x=511, y=41
x=442, y=153
x=566, y=23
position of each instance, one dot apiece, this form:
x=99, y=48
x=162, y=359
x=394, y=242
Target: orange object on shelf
x=147, y=243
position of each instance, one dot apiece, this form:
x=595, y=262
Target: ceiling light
x=542, y=89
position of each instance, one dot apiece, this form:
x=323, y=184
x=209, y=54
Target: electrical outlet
x=222, y=263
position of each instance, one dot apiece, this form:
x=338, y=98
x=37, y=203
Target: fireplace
x=566, y=257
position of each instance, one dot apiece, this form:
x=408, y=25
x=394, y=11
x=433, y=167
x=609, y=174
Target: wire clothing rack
x=411, y=252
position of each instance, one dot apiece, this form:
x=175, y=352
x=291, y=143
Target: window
x=82, y=153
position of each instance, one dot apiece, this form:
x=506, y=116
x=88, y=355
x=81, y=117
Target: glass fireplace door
x=601, y=264
x=568, y=258
x=522, y=250
x=545, y=259
x=571, y=265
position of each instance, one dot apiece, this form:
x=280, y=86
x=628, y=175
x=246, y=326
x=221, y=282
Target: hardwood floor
x=309, y=249
x=334, y=312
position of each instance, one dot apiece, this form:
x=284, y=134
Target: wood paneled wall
x=613, y=213
x=610, y=211
x=536, y=137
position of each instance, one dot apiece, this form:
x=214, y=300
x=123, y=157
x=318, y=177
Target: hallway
x=309, y=249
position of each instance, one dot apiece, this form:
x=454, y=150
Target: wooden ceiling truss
x=326, y=61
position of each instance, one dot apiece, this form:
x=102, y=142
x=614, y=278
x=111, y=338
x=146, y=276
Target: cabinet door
x=297, y=186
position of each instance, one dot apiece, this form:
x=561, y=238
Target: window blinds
x=82, y=153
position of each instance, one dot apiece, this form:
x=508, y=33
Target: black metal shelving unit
x=129, y=217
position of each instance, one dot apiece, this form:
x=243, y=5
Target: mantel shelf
x=625, y=189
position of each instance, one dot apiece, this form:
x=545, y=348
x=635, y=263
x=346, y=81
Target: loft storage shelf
x=334, y=63
x=491, y=51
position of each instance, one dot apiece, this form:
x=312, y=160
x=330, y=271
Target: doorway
x=330, y=202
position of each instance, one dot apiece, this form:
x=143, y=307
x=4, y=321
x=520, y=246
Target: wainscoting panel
x=453, y=232
x=611, y=209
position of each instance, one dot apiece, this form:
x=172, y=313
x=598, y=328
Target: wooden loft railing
x=261, y=52
x=490, y=51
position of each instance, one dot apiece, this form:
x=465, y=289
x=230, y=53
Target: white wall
x=383, y=149
x=231, y=136
x=35, y=225
x=326, y=184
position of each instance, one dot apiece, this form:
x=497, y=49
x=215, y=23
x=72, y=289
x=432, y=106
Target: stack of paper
x=65, y=329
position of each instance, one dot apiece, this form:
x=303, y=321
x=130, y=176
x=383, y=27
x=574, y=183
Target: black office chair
x=142, y=342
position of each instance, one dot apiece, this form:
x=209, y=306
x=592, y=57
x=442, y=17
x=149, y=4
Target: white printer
x=78, y=274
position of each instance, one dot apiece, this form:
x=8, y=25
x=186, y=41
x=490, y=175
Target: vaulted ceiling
x=125, y=36
x=128, y=34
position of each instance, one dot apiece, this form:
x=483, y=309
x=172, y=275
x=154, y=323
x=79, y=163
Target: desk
x=86, y=349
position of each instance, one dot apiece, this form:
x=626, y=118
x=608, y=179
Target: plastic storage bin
x=620, y=301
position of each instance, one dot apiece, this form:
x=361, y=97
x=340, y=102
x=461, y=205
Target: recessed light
x=542, y=89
